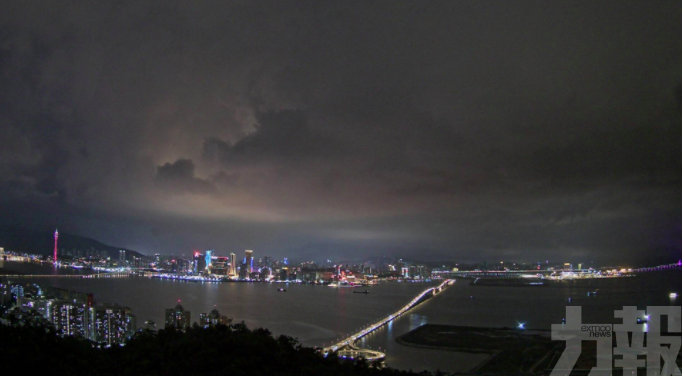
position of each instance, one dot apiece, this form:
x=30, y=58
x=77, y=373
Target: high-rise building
x=233, y=264
x=220, y=266
x=212, y=319
x=243, y=272
x=265, y=272
x=177, y=317
x=249, y=260
x=122, y=255
x=42, y=305
x=199, y=263
x=55, y=252
x=207, y=259
x=70, y=318
x=111, y=324
x=150, y=325
x=17, y=291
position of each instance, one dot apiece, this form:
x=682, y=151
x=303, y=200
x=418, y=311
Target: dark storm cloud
x=280, y=137
x=179, y=177
x=468, y=130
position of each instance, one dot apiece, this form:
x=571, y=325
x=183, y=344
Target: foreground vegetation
x=222, y=350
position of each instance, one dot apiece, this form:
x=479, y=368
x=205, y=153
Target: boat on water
x=281, y=289
x=590, y=293
x=361, y=292
x=341, y=284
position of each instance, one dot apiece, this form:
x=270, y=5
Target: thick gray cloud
x=179, y=177
x=465, y=130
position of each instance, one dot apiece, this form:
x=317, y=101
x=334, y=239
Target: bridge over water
x=94, y=275
x=346, y=347
x=546, y=273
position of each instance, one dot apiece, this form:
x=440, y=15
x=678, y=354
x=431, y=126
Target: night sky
x=458, y=130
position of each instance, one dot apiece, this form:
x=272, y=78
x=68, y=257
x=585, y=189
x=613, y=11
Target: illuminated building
x=325, y=276
x=150, y=325
x=122, y=255
x=56, y=236
x=233, y=264
x=199, y=263
x=111, y=324
x=268, y=261
x=207, y=260
x=5, y=295
x=567, y=266
x=70, y=318
x=17, y=291
x=423, y=271
x=284, y=274
x=177, y=317
x=242, y=274
x=265, y=272
x=249, y=260
x=212, y=319
x=220, y=266
x=184, y=266
x=295, y=273
x=42, y=306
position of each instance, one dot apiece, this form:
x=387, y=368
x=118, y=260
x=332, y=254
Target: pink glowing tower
x=56, y=236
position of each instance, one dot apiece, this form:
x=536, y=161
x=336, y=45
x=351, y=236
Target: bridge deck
x=346, y=347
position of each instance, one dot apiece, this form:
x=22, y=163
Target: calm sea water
x=319, y=315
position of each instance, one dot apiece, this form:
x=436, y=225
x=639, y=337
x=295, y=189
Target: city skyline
x=465, y=131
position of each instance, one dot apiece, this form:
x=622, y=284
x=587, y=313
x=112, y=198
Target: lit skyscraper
x=70, y=318
x=233, y=264
x=249, y=260
x=207, y=258
x=219, y=266
x=177, y=317
x=56, y=236
x=197, y=257
x=111, y=324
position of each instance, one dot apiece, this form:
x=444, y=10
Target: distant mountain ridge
x=42, y=242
